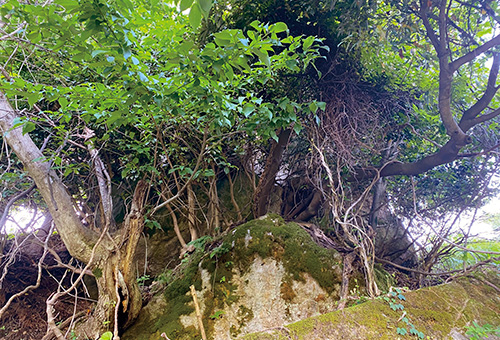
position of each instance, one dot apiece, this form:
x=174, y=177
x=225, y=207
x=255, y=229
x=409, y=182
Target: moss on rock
x=437, y=312
x=164, y=315
x=269, y=237
x=289, y=243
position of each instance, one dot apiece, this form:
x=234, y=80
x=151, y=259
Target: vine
x=395, y=298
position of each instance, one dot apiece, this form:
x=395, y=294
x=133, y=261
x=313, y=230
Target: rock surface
x=440, y=312
x=265, y=274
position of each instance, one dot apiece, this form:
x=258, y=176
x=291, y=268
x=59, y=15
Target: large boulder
x=263, y=274
x=439, y=312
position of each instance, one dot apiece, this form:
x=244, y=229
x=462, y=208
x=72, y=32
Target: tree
x=409, y=88
x=128, y=78
x=133, y=101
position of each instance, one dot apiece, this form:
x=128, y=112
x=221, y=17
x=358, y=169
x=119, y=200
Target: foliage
x=106, y=336
x=460, y=258
x=477, y=332
x=394, y=299
x=156, y=101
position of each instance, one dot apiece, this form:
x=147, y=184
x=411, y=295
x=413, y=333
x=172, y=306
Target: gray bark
x=77, y=238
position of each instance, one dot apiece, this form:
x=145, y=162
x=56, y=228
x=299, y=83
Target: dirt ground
x=26, y=319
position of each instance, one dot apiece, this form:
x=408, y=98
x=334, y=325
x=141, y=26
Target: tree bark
x=111, y=260
x=266, y=182
x=76, y=237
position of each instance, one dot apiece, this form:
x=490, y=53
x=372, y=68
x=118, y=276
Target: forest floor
x=26, y=317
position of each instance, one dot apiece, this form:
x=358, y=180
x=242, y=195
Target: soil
x=26, y=319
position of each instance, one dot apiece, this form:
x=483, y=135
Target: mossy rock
x=270, y=236
x=440, y=312
x=223, y=274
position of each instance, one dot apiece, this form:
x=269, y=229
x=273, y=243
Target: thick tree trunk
x=112, y=258
x=266, y=182
x=75, y=236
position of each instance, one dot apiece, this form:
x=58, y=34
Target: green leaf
x=106, y=336
x=205, y=6
x=63, y=102
x=68, y=4
x=263, y=57
x=401, y=331
x=256, y=24
x=185, y=4
x=223, y=38
x=79, y=56
x=279, y=27
x=308, y=42
x=97, y=52
x=313, y=107
x=247, y=110
x=126, y=3
x=195, y=16
x=32, y=98
x=297, y=128
x=28, y=127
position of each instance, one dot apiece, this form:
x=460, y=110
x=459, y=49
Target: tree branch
x=486, y=117
x=430, y=31
x=467, y=120
x=455, y=65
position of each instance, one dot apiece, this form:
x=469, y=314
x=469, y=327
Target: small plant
x=166, y=277
x=200, y=242
x=395, y=298
x=142, y=280
x=220, y=250
x=217, y=315
x=476, y=332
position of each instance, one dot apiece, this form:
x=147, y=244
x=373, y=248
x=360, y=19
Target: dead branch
x=31, y=287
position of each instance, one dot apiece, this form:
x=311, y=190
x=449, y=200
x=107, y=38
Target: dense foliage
x=377, y=120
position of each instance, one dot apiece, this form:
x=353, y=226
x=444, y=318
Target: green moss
x=223, y=290
x=178, y=301
x=435, y=311
x=384, y=279
x=288, y=243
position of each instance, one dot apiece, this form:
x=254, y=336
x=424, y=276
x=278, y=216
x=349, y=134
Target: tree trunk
x=111, y=260
x=75, y=236
x=266, y=182
x=191, y=212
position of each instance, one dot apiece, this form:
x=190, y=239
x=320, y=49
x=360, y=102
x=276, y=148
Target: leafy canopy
x=131, y=70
